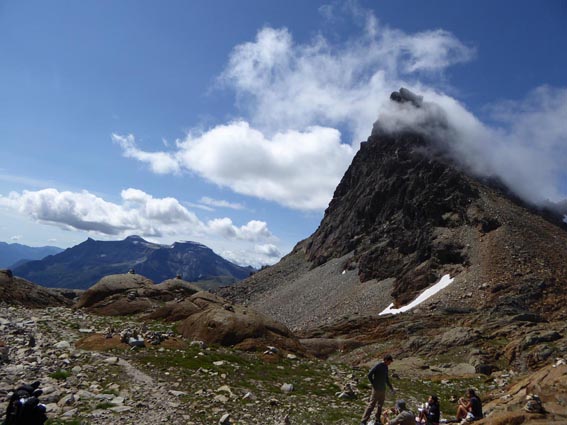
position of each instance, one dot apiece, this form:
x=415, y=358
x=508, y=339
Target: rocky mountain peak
x=405, y=214
x=405, y=95
x=397, y=192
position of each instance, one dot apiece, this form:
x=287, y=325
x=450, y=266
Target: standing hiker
x=378, y=377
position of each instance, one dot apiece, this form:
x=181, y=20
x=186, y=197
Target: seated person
x=404, y=416
x=431, y=413
x=470, y=408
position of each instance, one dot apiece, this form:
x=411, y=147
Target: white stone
x=117, y=400
x=201, y=344
x=224, y=388
x=63, y=345
x=52, y=408
x=120, y=409
x=221, y=398
x=287, y=388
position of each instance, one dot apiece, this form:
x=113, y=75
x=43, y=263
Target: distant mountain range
x=13, y=254
x=85, y=264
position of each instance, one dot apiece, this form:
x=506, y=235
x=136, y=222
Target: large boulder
x=217, y=322
x=130, y=293
x=174, y=311
x=177, y=288
x=113, y=285
x=123, y=294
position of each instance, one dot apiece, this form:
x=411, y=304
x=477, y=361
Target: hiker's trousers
x=376, y=399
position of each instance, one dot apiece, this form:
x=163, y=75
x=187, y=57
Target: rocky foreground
x=90, y=377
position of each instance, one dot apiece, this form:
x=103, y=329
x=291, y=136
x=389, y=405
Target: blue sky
x=230, y=123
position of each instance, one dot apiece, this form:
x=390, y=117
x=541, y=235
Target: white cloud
x=526, y=148
x=295, y=169
x=287, y=85
x=139, y=213
x=529, y=145
x=221, y=203
x=268, y=250
x=258, y=256
x=159, y=162
x=252, y=231
x=297, y=95
x=199, y=206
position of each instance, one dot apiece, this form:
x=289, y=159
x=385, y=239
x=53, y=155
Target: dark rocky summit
x=404, y=210
x=405, y=95
x=388, y=210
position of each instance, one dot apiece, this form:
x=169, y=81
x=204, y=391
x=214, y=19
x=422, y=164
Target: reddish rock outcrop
x=217, y=322
x=15, y=290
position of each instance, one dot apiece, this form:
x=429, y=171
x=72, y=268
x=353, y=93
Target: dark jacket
x=378, y=377
x=433, y=414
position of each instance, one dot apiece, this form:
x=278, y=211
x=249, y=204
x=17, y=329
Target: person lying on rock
x=431, y=413
x=404, y=416
x=470, y=407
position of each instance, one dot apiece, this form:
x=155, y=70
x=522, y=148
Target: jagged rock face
x=397, y=190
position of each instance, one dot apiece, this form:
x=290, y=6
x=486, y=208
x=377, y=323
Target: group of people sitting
x=469, y=409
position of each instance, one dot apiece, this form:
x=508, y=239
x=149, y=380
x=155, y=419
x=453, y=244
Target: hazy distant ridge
x=12, y=253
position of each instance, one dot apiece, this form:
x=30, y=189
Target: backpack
x=24, y=407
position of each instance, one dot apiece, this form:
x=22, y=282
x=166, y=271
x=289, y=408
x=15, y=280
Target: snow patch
x=429, y=292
